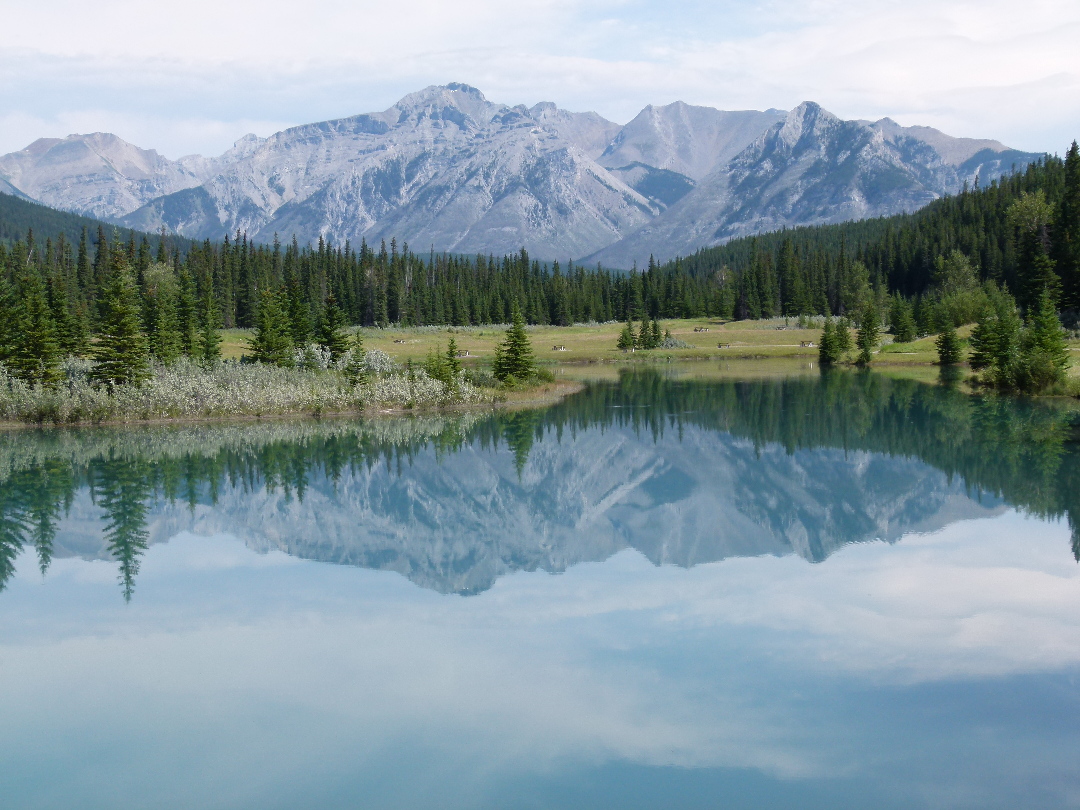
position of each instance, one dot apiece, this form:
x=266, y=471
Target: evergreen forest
x=59, y=287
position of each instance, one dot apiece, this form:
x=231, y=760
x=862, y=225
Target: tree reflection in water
x=1025, y=452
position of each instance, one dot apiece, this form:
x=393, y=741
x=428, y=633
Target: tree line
x=1021, y=231
x=146, y=296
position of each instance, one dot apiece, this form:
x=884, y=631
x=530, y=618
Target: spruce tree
x=869, y=331
x=902, y=321
x=514, y=357
x=1067, y=231
x=995, y=341
x=657, y=339
x=208, y=347
x=71, y=334
x=272, y=342
x=331, y=333
x=828, y=348
x=948, y=346
x=453, y=362
x=843, y=336
x=161, y=314
x=35, y=355
x=187, y=312
x=356, y=368
x=121, y=351
x=626, y=338
x=1044, y=352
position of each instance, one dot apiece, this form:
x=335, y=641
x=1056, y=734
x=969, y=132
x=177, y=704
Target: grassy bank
x=595, y=343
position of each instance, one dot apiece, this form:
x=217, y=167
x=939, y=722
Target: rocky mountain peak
x=455, y=103
x=448, y=168
x=807, y=120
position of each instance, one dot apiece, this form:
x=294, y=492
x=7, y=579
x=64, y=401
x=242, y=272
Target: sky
x=194, y=76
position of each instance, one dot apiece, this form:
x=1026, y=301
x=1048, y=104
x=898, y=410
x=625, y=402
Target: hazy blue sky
x=194, y=76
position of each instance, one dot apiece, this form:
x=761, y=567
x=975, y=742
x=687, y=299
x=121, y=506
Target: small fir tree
x=626, y=338
x=453, y=362
x=161, y=314
x=35, y=355
x=71, y=334
x=121, y=352
x=843, y=336
x=272, y=342
x=869, y=331
x=331, y=334
x=1044, y=352
x=514, y=357
x=356, y=369
x=995, y=340
x=208, y=348
x=902, y=321
x=436, y=367
x=828, y=347
x=948, y=346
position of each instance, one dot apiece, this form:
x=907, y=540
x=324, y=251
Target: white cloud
x=193, y=71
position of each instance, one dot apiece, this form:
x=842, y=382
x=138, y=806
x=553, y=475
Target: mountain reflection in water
x=685, y=471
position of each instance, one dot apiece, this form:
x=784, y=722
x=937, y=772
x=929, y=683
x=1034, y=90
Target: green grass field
x=744, y=340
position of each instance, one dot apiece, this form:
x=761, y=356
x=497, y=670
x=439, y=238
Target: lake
x=669, y=590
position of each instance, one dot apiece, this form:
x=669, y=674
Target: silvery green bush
x=186, y=389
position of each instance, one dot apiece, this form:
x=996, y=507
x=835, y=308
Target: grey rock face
x=99, y=174
x=448, y=169
x=813, y=168
x=689, y=140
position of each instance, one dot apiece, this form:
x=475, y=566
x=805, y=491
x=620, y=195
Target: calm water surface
x=817, y=592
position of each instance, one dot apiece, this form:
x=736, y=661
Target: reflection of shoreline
x=459, y=522
x=685, y=471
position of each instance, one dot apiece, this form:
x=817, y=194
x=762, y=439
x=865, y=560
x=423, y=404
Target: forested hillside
x=815, y=269
x=1022, y=232
x=18, y=217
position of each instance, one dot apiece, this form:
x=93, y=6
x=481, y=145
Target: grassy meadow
x=765, y=340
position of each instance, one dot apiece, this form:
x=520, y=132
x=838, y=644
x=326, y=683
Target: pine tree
x=869, y=331
x=331, y=334
x=948, y=346
x=843, y=336
x=453, y=362
x=298, y=314
x=828, y=348
x=657, y=339
x=36, y=356
x=272, y=342
x=71, y=332
x=187, y=312
x=208, y=347
x=1067, y=231
x=121, y=351
x=514, y=357
x=626, y=338
x=1030, y=217
x=1044, y=352
x=995, y=341
x=902, y=321
x=161, y=314
x=644, y=333
x=356, y=368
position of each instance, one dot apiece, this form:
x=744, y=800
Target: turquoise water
x=821, y=592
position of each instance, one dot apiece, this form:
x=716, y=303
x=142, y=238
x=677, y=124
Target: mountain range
x=445, y=168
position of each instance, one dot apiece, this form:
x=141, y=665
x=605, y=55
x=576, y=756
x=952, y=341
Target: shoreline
x=545, y=394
